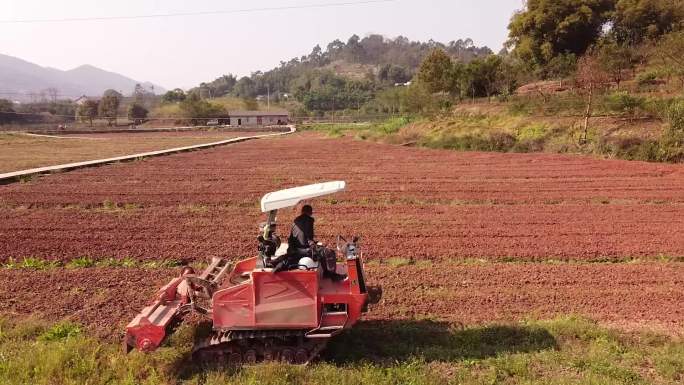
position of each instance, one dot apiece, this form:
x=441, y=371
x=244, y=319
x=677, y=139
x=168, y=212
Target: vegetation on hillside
x=588, y=76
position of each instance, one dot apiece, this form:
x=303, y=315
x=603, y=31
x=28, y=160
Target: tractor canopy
x=292, y=196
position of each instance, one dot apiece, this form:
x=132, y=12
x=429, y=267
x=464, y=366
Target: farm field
x=21, y=152
x=412, y=204
x=460, y=243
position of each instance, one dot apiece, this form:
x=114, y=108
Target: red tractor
x=257, y=312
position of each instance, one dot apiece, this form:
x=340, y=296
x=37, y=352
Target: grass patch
x=33, y=263
x=364, y=130
x=30, y=263
x=398, y=261
x=565, y=350
x=60, y=331
x=80, y=263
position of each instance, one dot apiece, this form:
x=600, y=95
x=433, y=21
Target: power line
x=201, y=13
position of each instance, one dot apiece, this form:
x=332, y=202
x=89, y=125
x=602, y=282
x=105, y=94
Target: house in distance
x=256, y=118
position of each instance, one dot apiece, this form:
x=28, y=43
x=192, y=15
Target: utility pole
x=268, y=97
x=333, y=106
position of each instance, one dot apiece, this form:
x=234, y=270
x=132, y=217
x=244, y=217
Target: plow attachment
x=149, y=328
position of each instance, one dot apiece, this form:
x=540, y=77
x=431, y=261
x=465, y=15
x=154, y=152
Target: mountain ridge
x=19, y=78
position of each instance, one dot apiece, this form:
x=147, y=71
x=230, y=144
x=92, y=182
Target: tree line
x=311, y=81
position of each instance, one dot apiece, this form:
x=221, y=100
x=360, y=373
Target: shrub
x=495, y=141
x=671, y=149
x=675, y=116
x=624, y=103
x=61, y=331
x=501, y=141
x=631, y=148
x=647, y=78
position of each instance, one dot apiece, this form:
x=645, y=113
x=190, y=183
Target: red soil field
x=409, y=203
x=444, y=210
x=625, y=295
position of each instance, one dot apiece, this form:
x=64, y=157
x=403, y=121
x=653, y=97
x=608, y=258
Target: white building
x=257, y=118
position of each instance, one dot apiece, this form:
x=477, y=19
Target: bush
x=625, y=103
x=61, y=331
x=675, y=116
x=495, y=141
x=647, y=78
x=631, y=148
x=671, y=147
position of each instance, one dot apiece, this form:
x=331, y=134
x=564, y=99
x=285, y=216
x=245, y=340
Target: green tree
x=670, y=51
x=245, y=88
x=6, y=106
x=436, y=72
x=637, y=20
x=137, y=113
x=109, y=106
x=250, y=104
x=393, y=74
x=483, y=75
x=88, y=110
x=6, y=111
x=174, y=96
x=196, y=110
x=615, y=59
x=548, y=28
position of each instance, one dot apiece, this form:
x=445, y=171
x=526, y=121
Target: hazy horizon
x=184, y=51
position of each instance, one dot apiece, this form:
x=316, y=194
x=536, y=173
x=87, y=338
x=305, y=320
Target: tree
x=615, y=59
x=245, y=88
x=195, y=109
x=670, y=50
x=591, y=78
x=6, y=111
x=637, y=20
x=137, y=113
x=6, y=106
x=174, y=96
x=52, y=93
x=483, y=75
x=393, y=74
x=141, y=94
x=88, y=110
x=250, y=104
x=109, y=106
x=548, y=28
x=436, y=72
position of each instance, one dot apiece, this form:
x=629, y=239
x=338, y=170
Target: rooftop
x=258, y=113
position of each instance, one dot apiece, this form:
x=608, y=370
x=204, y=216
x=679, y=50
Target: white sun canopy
x=292, y=196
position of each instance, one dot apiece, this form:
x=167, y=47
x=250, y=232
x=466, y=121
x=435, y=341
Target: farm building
x=257, y=118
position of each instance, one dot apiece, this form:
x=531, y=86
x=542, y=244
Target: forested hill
x=360, y=63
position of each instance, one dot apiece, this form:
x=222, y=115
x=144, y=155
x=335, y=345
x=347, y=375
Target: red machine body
x=253, y=298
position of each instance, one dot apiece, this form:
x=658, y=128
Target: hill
x=19, y=77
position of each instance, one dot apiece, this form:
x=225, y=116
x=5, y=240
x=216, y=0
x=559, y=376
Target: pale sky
x=184, y=51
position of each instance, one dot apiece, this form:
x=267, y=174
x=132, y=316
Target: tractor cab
x=271, y=250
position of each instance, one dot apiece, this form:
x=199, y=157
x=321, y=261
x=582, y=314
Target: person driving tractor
x=301, y=244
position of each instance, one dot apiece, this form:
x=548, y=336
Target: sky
x=185, y=51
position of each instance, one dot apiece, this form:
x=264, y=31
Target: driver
x=301, y=244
